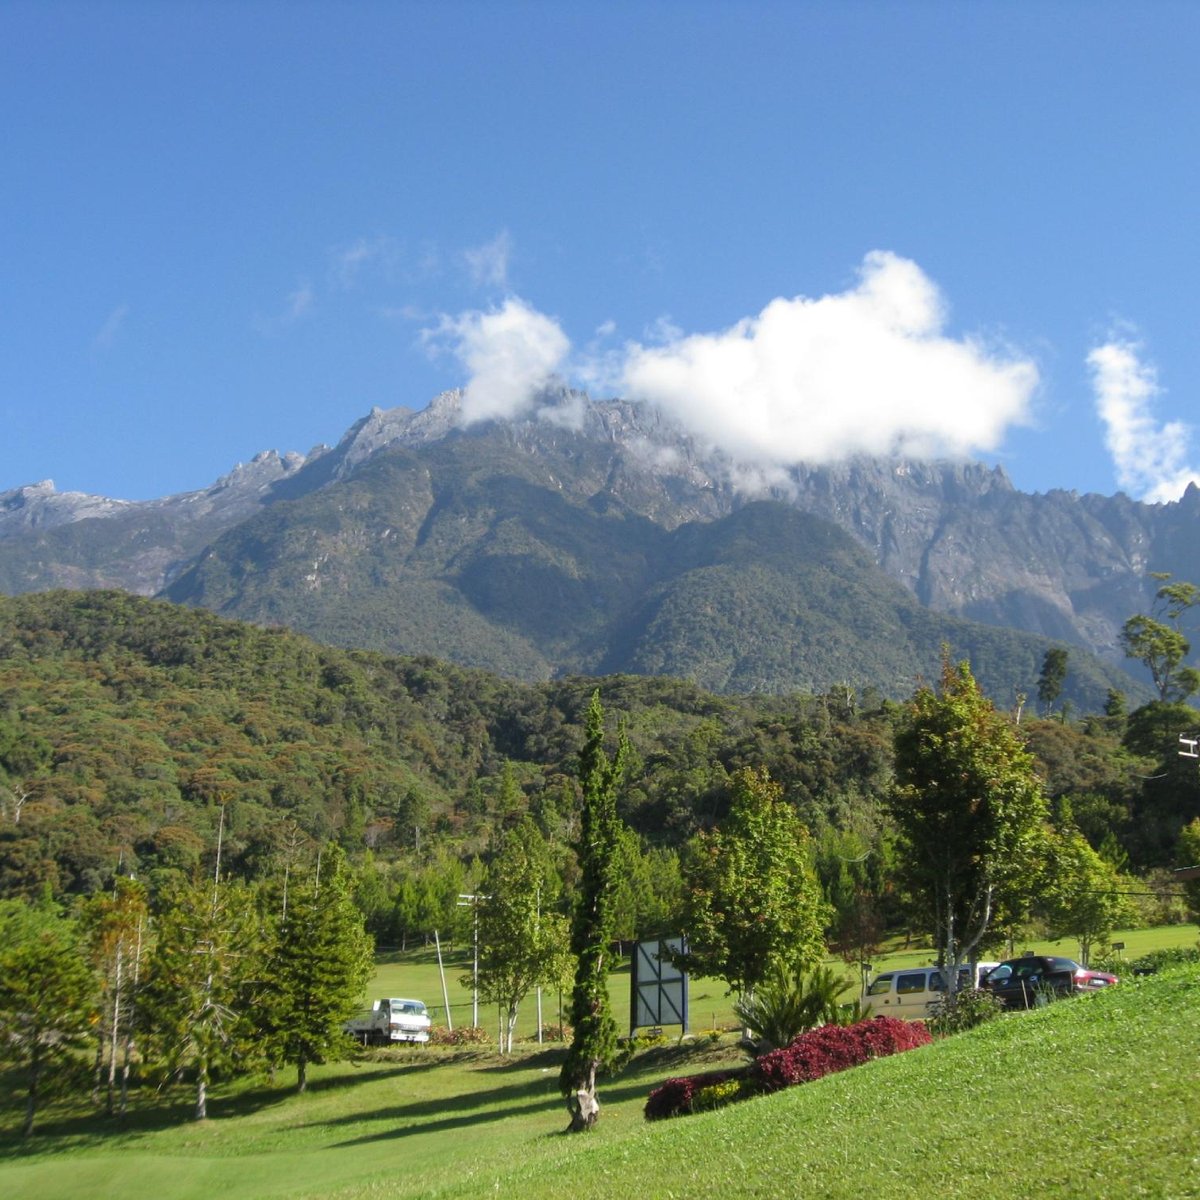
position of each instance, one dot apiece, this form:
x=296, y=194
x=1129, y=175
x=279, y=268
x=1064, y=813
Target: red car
x=1036, y=978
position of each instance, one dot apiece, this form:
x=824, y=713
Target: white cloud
x=869, y=370
x=107, y=333
x=510, y=353
x=296, y=306
x=299, y=303
x=347, y=263
x=488, y=263
x=1149, y=457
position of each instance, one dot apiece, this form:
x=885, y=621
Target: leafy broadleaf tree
x=594, y=1040
x=1189, y=852
x=751, y=900
x=1082, y=894
x=969, y=811
x=519, y=935
x=47, y=995
x=1158, y=642
x=319, y=962
x=206, y=950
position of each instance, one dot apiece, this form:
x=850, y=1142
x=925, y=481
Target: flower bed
x=835, y=1048
x=677, y=1096
x=813, y=1054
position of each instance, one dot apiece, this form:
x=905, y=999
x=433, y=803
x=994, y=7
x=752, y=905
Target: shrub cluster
x=834, y=1048
x=717, y=1095
x=1162, y=960
x=811, y=1055
x=678, y=1096
x=972, y=1007
x=467, y=1035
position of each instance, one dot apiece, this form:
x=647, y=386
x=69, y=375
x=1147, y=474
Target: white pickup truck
x=391, y=1020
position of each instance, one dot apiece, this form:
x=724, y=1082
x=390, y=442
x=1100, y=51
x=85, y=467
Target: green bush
x=973, y=1006
x=1161, y=960
x=467, y=1035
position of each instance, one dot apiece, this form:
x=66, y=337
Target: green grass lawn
x=1095, y=1096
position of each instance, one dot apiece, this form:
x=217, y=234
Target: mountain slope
x=547, y=545
x=463, y=552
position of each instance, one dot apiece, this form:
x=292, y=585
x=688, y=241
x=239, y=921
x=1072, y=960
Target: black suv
x=1036, y=978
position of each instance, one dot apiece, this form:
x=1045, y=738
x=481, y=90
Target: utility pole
x=472, y=901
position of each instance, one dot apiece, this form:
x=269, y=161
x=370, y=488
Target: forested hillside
x=128, y=725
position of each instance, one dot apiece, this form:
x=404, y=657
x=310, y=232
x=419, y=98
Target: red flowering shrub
x=674, y=1097
x=813, y=1054
x=834, y=1048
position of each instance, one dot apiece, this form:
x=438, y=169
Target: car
x=1034, y=979
x=915, y=993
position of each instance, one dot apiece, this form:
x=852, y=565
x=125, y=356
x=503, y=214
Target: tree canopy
x=751, y=900
x=969, y=810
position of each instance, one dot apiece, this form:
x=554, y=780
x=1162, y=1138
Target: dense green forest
x=130, y=728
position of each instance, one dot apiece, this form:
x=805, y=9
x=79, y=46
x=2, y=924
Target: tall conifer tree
x=320, y=961
x=595, y=1031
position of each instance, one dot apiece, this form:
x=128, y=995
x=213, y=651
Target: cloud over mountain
x=870, y=370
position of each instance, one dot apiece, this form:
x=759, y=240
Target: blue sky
x=805, y=230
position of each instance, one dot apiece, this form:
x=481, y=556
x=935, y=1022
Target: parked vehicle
x=1036, y=978
x=391, y=1020
x=916, y=993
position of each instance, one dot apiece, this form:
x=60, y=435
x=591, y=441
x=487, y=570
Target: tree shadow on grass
x=495, y=1104
x=547, y=1059
x=153, y=1109
x=477, y=1108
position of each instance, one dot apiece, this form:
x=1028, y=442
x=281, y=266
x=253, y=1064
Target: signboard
x=658, y=994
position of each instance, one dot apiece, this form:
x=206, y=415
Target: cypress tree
x=595, y=1031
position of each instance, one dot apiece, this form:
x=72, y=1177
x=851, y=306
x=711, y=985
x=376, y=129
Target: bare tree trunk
x=201, y=1113
x=114, y=1032
x=130, y=1021
x=301, y=1073
x=126, y=1059
x=583, y=1105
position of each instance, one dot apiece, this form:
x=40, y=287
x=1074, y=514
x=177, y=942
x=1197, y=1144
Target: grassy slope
x=1095, y=1096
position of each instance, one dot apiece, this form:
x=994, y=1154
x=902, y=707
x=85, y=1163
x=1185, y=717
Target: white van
x=915, y=992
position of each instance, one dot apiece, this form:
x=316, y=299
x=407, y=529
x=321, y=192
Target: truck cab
x=392, y=1019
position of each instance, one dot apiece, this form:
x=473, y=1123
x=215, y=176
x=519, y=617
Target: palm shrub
x=786, y=1004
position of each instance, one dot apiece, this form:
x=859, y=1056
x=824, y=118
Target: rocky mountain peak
x=41, y=506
